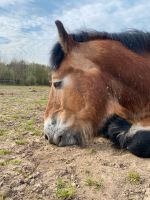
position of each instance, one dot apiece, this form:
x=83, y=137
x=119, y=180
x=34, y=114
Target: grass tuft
x=64, y=189
x=10, y=161
x=20, y=142
x=3, y=132
x=93, y=183
x=92, y=151
x=36, y=133
x=134, y=177
x=15, y=162
x=4, y=152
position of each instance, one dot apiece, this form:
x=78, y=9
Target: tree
x=22, y=73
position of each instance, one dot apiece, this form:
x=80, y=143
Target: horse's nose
x=48, y=128
x=53, y=140
x=59, y=133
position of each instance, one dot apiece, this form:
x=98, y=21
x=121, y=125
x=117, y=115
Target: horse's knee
x=115, y=129
x=140, y=144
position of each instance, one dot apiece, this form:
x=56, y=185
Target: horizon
x=28, y=31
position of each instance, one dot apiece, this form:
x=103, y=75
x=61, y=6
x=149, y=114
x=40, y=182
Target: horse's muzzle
x=61, y=135
x=65, y=139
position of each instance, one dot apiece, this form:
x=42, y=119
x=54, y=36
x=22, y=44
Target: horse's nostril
x=59, y=138
x=46, y=137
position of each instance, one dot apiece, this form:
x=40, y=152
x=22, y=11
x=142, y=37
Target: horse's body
x=97, y=76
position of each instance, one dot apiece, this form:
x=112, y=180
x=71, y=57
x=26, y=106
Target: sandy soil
x=30, y=168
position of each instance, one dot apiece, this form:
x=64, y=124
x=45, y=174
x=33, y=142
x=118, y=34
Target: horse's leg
x=114, y=128
x=138, y=140
x=135, y=138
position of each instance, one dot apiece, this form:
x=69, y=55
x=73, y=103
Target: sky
x=28, y=31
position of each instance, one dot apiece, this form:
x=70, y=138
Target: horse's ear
x=66, y=40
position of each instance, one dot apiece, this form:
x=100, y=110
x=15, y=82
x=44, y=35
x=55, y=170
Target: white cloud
x=100, y=15
x=29, y=46
x=4, y=3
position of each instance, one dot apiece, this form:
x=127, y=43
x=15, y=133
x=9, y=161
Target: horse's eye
x=57, y=84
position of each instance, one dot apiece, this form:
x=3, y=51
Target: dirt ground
x=30, y=168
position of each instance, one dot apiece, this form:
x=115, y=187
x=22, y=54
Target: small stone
x=143, y=191
x=27, y=180
x=32, y=182
x=43, y=192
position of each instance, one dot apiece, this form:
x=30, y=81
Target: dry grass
x=29, y=166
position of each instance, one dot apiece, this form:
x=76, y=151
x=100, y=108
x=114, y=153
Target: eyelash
x=57, y=84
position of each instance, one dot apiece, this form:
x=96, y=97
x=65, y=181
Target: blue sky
x=27, y=29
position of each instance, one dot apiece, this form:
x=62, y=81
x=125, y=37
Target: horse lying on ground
x=100, y=84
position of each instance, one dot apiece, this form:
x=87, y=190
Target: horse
x=100, y=85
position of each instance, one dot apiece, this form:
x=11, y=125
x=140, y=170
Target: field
x=30, y=168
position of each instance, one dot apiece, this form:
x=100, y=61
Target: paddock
x=30, y=167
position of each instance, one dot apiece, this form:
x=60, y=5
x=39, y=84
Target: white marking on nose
x=60, y=125
x=47, y=126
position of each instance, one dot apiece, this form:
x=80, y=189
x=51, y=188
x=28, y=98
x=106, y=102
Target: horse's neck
x=125, y=66
x=128, y=76
x=134, y=106
x=126, y=96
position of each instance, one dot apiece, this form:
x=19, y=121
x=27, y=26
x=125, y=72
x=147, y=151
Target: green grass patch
x=134, y=177
x=93, y=183
x=30, y=125
x=15, y=162
x=30, y=122
x=3, y=132
x=42, y=102
x=64, y=189
x=15, y=116
x=4, y=152
x=21, y=142
x=92, y=151
x=10, y=161
x=37, y=133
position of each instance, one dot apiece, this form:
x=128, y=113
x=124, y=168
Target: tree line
x=22, y=73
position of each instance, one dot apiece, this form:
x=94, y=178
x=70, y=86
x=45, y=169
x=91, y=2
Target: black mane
x=137, y=41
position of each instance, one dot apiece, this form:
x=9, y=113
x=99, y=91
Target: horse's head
x=75, y=107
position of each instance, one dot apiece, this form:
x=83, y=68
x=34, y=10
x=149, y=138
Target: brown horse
x=100, y=84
